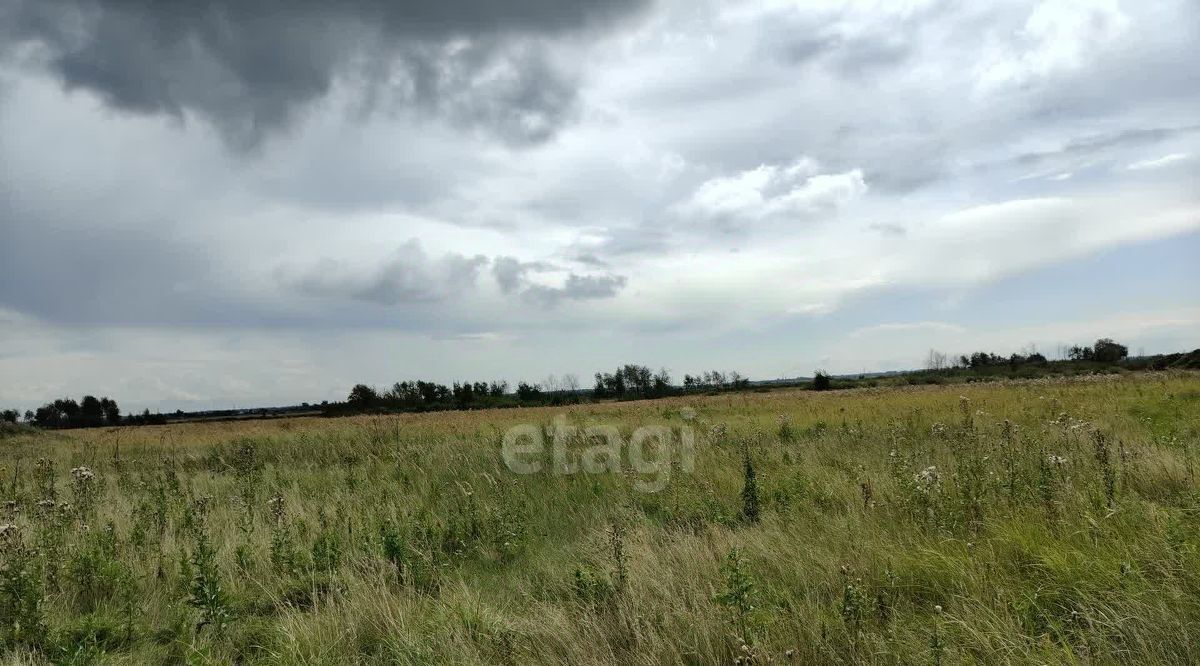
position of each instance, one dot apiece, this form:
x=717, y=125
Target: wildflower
x=1056, y=461
x=82, y=474
x=937, y=609
x=927, y=477
x=277, y=508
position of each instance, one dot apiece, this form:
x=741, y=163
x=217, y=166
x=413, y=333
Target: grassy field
x=1045, y=521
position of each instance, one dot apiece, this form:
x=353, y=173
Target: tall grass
x=1043, y=521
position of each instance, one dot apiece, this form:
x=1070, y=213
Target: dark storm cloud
x=250, y=66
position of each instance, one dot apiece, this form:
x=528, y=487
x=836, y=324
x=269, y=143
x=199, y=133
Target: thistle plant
x=937, y=645
x=786, y=433
x=85, y=489
x=1108, y=474
x=205, y=592
x=283, y=550
x=327, y=547
x=750, y=504
x=247, y=472
x=20, y=591
x=1047, y=484
x=616, y=545
x=738, y=593
x=44, y=478
x=855, y=602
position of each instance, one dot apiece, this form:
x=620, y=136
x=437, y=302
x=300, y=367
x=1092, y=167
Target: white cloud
x=792, y=192
x=1165, y=160
x=1058, y=36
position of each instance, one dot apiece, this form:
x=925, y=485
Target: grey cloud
x=408, y=276
x=589, y=259
x=797, y=36
x=511, y=276
x=251, y=66
x=1092, y=145
x=73, y=276
x=576, y=288
x=510, y=272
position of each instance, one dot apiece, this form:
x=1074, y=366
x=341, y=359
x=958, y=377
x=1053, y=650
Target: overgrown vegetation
x=1047, y=521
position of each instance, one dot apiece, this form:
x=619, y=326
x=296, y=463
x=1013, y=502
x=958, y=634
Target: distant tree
x=29, y=416
x=528, y=392
x=662, y=382
x=713, y=379
x=570, y=383
x=9, y=415
x=1107, y=351
x=737, y=381
x=363, y=396
x=599, y=390
x=463, y=393
x=821, y=381
x=91, y=413
x=112, y=413
x=1077, y=353
x=68, y=410
x=936, y=360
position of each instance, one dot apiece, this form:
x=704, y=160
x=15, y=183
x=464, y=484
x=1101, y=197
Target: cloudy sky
x=251, y=202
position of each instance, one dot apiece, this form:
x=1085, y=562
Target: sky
x=236, y=203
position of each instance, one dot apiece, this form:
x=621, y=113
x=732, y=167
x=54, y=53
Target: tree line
x=89, y=412
x=627, y=382
x=1105, y=350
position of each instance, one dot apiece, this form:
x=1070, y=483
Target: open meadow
x=1047, y=521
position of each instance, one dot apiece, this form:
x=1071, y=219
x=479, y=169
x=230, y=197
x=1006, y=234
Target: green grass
x=1060, y=524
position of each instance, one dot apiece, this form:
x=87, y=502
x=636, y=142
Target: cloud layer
x=530, y=187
